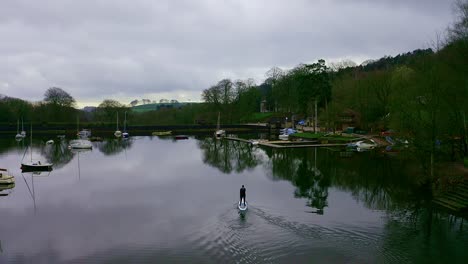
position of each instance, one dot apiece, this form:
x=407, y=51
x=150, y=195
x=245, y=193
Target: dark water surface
x=151, y=200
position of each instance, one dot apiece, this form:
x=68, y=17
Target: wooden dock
x=238, y=139
x=455, y=200
x=287, y=144
x=283, y=145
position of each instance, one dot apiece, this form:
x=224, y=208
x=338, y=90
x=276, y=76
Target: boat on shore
x=180, y=137
x=364, y=145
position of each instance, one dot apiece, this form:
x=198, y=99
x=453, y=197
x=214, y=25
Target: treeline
x=58, y=107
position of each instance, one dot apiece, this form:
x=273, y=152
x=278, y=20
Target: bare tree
x=57, y=96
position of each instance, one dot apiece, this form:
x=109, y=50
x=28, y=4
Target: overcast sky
x=122, y=49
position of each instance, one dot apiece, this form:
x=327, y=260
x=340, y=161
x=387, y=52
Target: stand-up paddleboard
x=242, y=207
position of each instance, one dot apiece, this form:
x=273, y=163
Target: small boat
x=283, y=136
x=125, y=133
x=161, y=133
x=366, y=145
x=117, y=132
x=81, y=144
x=219, y=133
x=84, y=133
x=50, y=142
x=5, y=177
x=18, y=136
x=178, y=137
x=23, y=133
x=35, y=165
x=253, y=142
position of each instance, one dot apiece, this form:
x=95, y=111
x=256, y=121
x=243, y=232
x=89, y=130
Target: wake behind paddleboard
x=242, y=207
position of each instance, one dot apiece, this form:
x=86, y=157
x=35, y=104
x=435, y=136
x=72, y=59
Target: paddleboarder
x=242, y=194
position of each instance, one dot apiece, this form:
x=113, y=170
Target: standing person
x=242, y=194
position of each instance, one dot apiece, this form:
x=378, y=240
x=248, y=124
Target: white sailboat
x=18, y=136
x=35, y=165
x=82, y=142
x=125, y=133
x=219, y=132
x=84, y=133
x=118, y=133
x=23, y=133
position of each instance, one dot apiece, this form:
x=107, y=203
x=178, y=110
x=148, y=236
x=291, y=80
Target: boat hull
x=30, y=168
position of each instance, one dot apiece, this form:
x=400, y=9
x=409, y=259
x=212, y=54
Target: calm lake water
x=152, y=200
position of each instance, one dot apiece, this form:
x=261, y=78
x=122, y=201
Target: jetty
x=288, y=144
x=455, y=200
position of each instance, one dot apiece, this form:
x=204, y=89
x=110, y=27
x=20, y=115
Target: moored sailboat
x=125, y=133
x=117, y=132
x=18, y=136
x=219, y=132
x=35, y=165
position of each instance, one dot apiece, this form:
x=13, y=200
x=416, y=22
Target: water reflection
x=111, y=147
x=229, y=156
x=57, y=153
x=6, y=189
x=366, y=208
x=376, y=181
x=30, y=183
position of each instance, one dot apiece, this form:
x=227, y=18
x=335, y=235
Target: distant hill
x=158, y=106
x=89, y=108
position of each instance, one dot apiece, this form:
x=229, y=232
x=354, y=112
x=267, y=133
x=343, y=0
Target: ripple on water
x=261, y=237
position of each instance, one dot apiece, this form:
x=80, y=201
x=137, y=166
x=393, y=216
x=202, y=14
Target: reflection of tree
x=7, y=144
x=114, y=146
x=57, y=153
x=228, y=155
x=421, y=229
x=380, y=183
x=301, y=168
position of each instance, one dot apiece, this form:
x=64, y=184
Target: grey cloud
x=97, y=49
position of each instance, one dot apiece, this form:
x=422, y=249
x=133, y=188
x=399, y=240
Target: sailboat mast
x=117, y=120
x=218, y=126
x=125, y=122
x=31, y=142
x=17, y=127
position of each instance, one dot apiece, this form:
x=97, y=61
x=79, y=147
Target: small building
x=348, y=118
